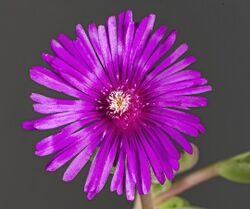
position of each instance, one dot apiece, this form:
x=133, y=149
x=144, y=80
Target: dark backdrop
x=218, y=33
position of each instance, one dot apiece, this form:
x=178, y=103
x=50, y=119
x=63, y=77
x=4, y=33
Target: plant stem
x=146, y=201
x=137, y=203
x=187, y=182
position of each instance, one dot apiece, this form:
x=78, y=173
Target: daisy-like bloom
x=130, y=94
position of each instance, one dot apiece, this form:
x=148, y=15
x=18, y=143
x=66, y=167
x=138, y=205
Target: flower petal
x=97, y=164
x=160, y=51
x=150, y=47
x=132, y=161
x=124, y=19
x=47, y=78
x=180, y=139
x=189, y=91
x=80, y=161
x=182, y=76
x=64, y=138
x=67, y=57
x=130, y=186
x=157, y=168
x=141, y=35
x=189, y=101
x=56, y=108
x=112, y=34
x=106, y=54
x=170, y=59
x=179, y=66
x=63, y=133
x=108, y=163
x=145, y=174
x=68, y=44
x=160, y=154
x=57, y=120
x=53, y=101
x=81, y=139
x=119, y=171
x=127, y=50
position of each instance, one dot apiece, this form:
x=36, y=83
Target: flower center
x=118, y=102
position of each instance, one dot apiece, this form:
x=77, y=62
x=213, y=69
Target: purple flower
x=130, y=91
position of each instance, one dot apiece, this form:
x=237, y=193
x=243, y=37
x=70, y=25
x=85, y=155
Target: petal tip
x=67, y=178
x=91, y=195
x=46, y=57
x=55, y=44
x=28, y=125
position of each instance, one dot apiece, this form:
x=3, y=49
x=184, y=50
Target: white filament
x=118, y=102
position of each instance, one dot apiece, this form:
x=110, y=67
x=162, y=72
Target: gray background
x=218, y=33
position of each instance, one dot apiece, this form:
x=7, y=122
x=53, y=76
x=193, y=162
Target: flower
x=131, y=93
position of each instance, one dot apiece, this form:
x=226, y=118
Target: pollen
x=118, y=102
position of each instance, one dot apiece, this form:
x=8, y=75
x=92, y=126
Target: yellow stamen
x=119, y=102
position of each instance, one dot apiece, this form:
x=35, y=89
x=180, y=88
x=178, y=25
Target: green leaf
x=174, y=202
x=236, y=169
x=187, y=161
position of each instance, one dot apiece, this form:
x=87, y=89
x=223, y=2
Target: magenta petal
x=67, y=154
x=93, y=34
x=127, y=48
x=49, y=79
x=124, y=20
x=157, y=168
x=68, y=44
x=53, y=101
x=176, y=105
x=112, y=34
x=132, y=162
x=190, y=91
x=160, y=154
x=67, y=136
x=166, y=143
x=80, y=161
x=97, y=164
x=180, y=139
x=91, y=195
x=141, y=35
x=130, y=186
x=76, y=142
x=182, y=76
x=151, y=45
x=57, y=120
x=106, y=54
x=121, y=187
x=180, y=65
x=180, y=115
x=174, y=164
x=60, y=66
x=160, y=51
x=84, y=87
x=63, y=133
x=189, y=101
x=169, y=60
x=53, y=108
x=28, y=125
x=119, y=171
x=145, y=173
x=108, y=165
x=86, y=43
x=59, y=142
x=67, y=57
x=185, y=84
